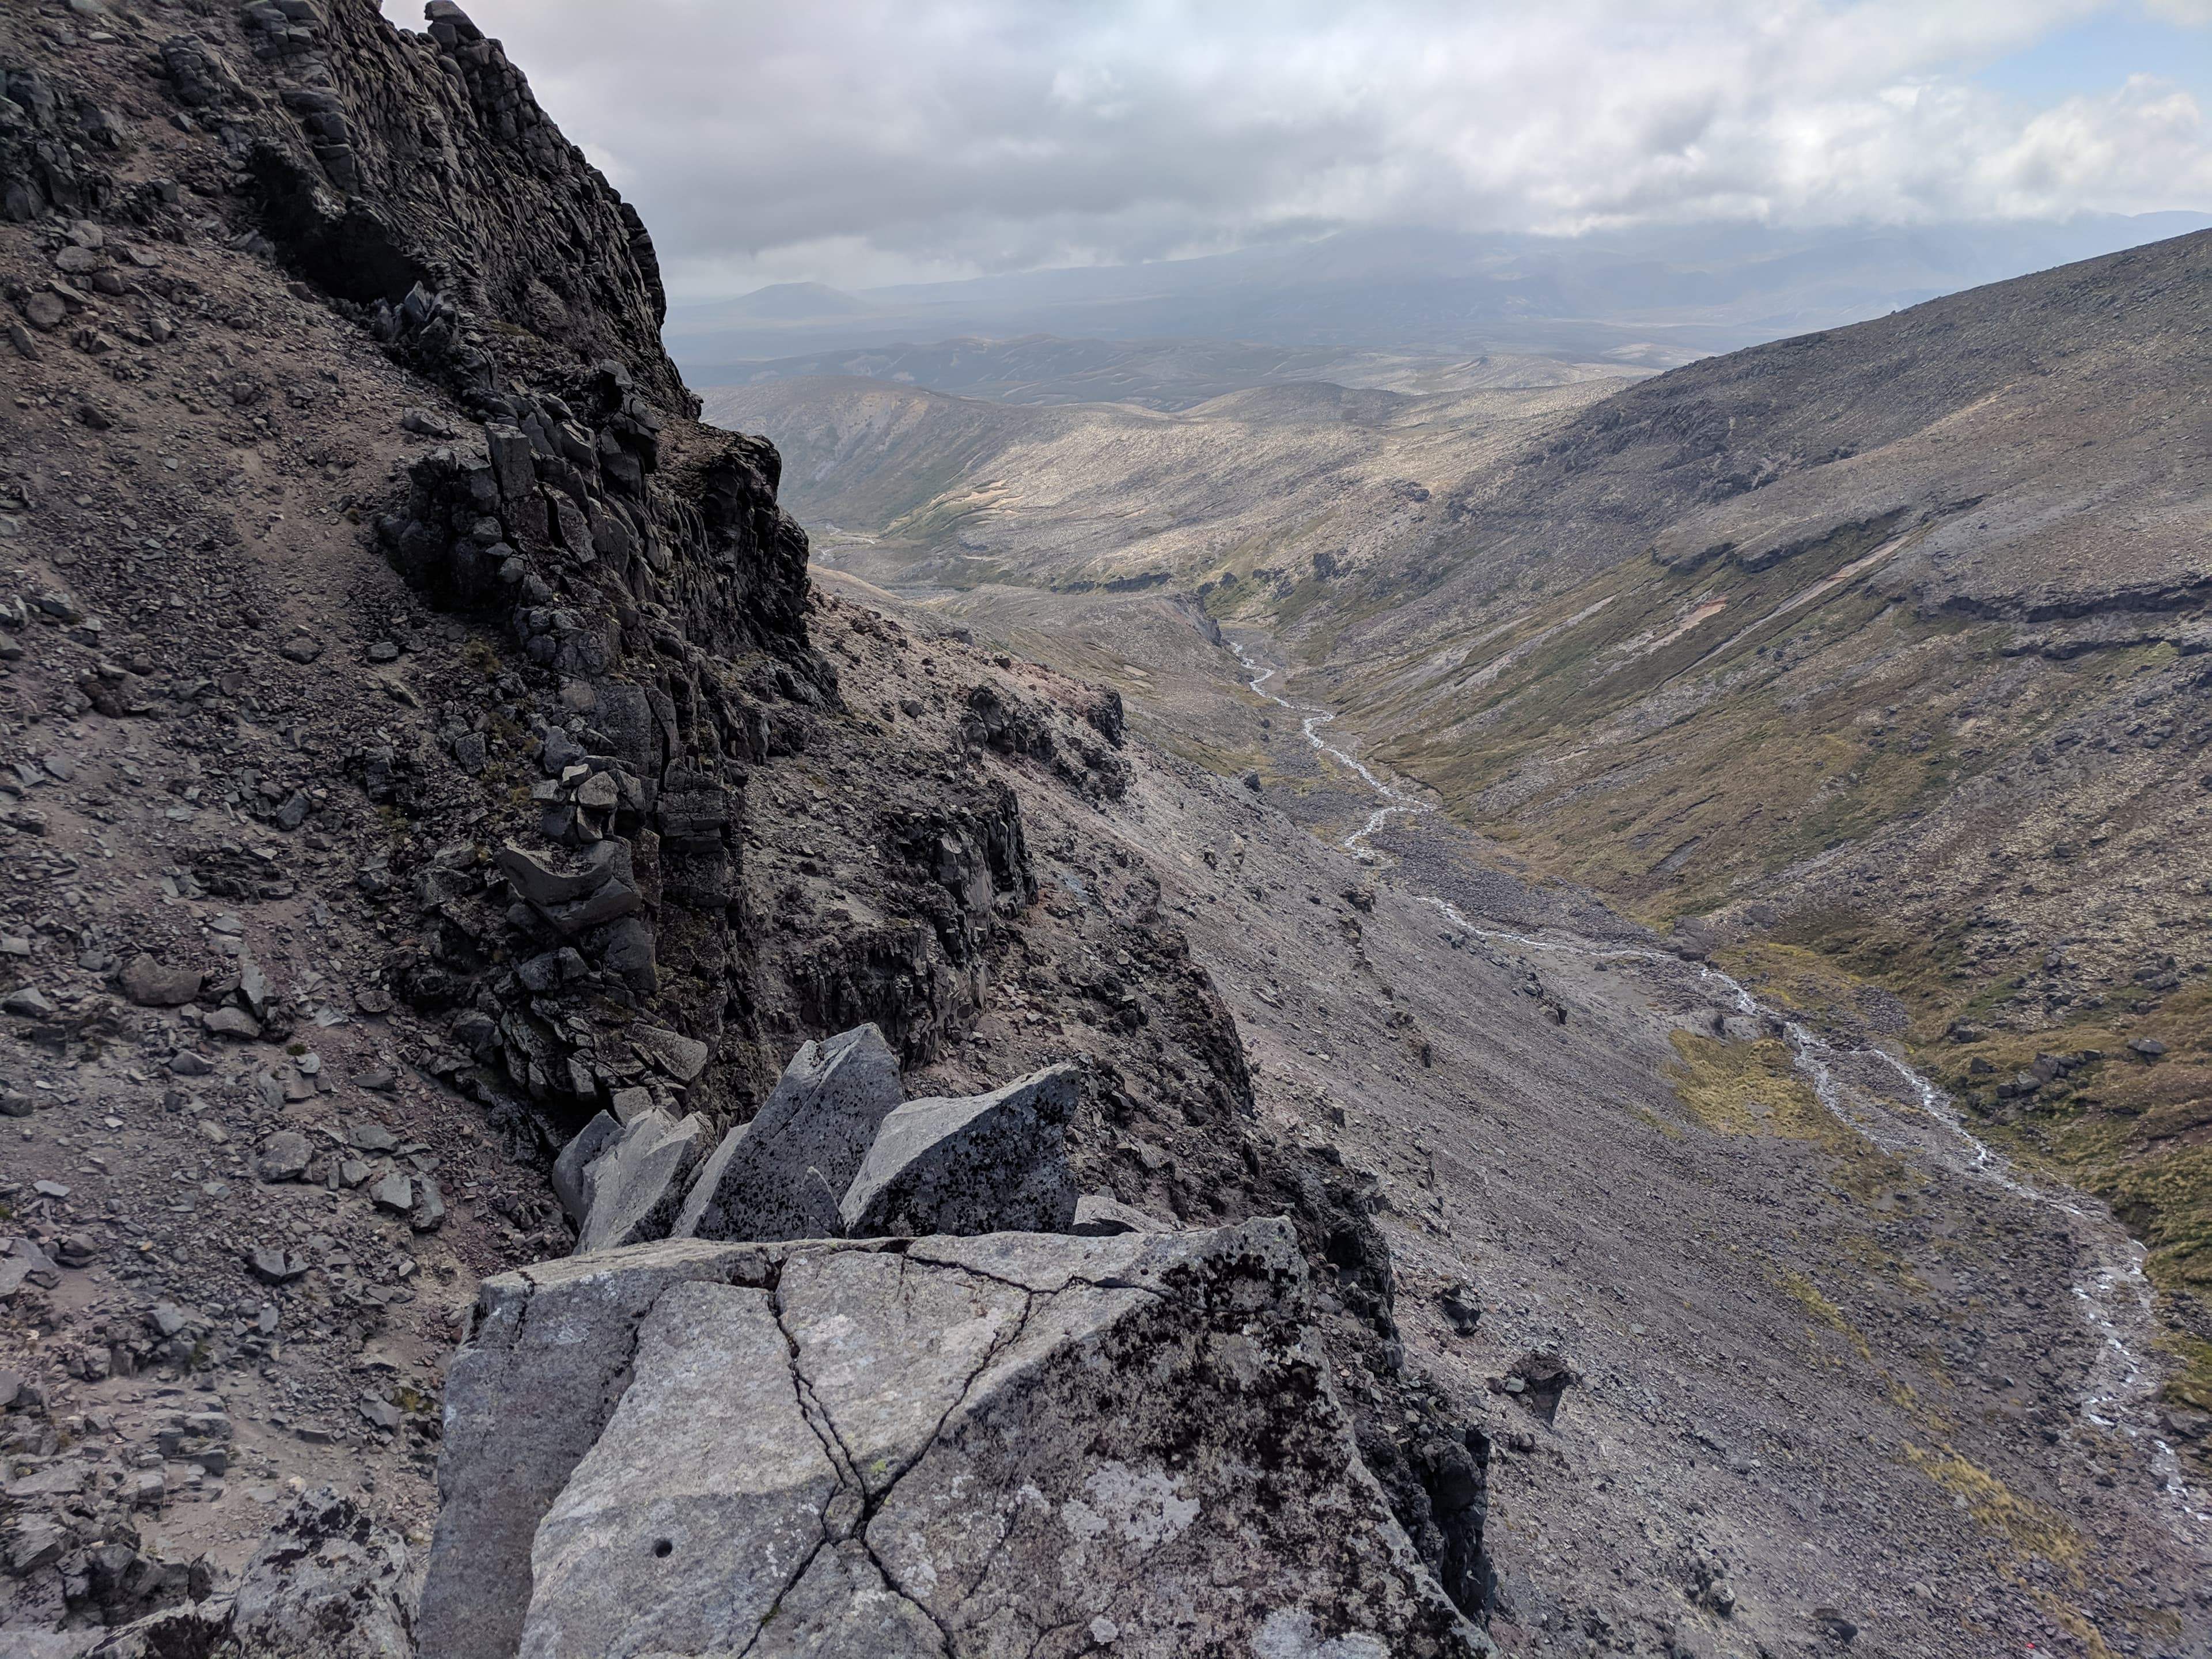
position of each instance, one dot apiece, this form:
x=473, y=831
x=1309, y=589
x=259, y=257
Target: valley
x=1862, y=670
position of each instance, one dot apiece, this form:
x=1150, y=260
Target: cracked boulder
x=632, y=1189
x=993, y=1163
x=782, y=1174
x=1023, y=1443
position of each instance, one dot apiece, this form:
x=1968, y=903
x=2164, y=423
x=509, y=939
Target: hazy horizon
x=1649, y=298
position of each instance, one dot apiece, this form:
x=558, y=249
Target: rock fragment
x=634, y=1188
x=993, y=1163
x=28, y=1002
x=233, y=1023
x=782, y=1174
x=574, y=1162
x=1538, y=1380
x=1101, y=1215
x=1461, y=1307
x=273, y=1265
x=600, y=888
x=682, y=1057
x=330, y=1581
x=150, y=985
x=285, y=1156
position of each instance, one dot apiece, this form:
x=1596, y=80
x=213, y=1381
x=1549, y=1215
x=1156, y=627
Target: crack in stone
x=789, y=1585
x=801, y=1393
x=841, y=1457
x=944, y=1630
x=1051, y=1630
x=1069, y=1283
x=832, y=1445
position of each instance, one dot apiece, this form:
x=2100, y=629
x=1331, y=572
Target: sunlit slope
x=1882, y=654
x=959, y=491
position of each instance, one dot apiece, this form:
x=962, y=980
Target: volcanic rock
x=781, y=1176
x=993, y=1163
x=150, y=985
x=633, y=1190
x=828, y=1448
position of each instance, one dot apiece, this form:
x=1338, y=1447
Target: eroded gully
x=1886, y=1100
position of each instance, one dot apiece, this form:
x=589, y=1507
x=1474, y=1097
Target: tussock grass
x=2028, y=1526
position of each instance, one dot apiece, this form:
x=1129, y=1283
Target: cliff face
x=474, y=732
x=423, y=158
x=414, y=177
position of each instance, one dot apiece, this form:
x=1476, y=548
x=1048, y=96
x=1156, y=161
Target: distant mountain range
x=1650, y=298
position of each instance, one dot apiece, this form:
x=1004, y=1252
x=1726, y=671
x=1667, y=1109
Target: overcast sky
x=861, y=142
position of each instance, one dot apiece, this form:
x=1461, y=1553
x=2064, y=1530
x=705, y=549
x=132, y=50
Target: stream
x=2110, y=1293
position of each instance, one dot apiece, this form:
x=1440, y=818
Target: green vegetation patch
x=2134, y=1131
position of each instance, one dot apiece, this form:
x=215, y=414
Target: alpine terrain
x=1505, y=1008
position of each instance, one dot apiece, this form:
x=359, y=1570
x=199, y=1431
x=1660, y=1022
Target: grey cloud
x=851, y=141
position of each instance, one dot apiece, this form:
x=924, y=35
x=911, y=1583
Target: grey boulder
x=782, y=1174
x=150, y=985
x=285, y=1156
x=682, y=1057
x=29, y=1001
x=634, y=1188
x=575, y=1162
x=1014, y=1444
x=993, y=1163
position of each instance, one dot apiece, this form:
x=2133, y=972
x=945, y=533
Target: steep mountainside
x=420, y=744
x=2039, y=431
x=1885, y=642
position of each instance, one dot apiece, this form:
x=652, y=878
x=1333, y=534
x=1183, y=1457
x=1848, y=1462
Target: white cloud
x=857, y=141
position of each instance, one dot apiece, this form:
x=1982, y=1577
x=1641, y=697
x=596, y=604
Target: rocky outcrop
x=646, y=570
x=395, y=162
x=991, y=1162
x=999, y=720
x=783, y=1175
x=329, y=1582
x=1013, y=1445
x=833, y=1153
x=55, y=145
